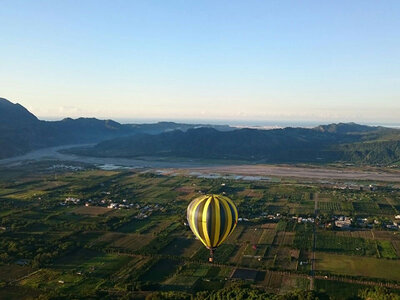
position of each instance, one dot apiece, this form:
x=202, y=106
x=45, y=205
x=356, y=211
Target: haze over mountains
x=21, y=131
x=337, y=142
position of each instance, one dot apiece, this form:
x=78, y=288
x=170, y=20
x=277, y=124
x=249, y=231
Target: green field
x=49, y=246
x=358, y=266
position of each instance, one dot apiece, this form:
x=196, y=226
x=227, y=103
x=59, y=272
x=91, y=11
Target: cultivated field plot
x=365, y=234
x=252, y=255
x=251, y=235
x=106, y=239
x=161, y=270
x=90, y=261
x=386, y=235
x=363, y=208
x=329, y=206
x=182, y=247
x=91, y=210
x=132, y=241
x=193, y=276
x=280, y=283
x=223, y=254
x=331, y=242
x=302, y=209
x=84, y=276
x=236, y=234
x=270, y=226
x=358, y=266
x=386, y=209
x=13, y=272
x=396, y=246
x=267, y=236
x=280, y=254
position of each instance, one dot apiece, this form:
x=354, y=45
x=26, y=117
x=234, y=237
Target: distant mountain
x=346, y=128
x=160, y=127
x=15, y=115
x=21, y=131
x=336, y=142
x=18, y=132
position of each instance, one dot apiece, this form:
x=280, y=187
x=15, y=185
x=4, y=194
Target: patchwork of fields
x=88, y=249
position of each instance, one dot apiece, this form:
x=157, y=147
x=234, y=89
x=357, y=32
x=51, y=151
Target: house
x=343, y=223
x=392, y=226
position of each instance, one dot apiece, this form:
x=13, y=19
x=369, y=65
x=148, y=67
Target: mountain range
x=347, y=142
x=21, y=131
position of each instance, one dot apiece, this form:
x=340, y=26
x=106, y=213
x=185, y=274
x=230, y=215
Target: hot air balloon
x=212, y=218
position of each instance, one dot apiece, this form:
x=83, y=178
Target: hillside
x=21, y=131
x=336, y=142
x=18, y=129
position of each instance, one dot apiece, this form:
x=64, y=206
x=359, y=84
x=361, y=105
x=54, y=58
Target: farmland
x=358, y=266
x=127, y=235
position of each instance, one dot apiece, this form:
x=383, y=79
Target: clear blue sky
x=240, y=60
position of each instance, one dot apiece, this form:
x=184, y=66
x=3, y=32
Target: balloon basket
x=211, y=258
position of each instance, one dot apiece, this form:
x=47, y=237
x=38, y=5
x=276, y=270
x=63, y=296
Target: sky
x=203, y=60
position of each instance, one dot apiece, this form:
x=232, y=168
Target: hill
x=328, y=143
x=21, y=131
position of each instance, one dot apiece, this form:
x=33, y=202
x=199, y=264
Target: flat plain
x=127, y=235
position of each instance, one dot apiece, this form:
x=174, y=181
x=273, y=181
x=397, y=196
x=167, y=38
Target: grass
x=358, y=266
x=386, y=250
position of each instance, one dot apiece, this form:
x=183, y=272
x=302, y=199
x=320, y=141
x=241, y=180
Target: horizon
x=243, y=123
x=311, y=61
x=261, y=124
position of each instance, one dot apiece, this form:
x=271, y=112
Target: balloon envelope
x=212, y=218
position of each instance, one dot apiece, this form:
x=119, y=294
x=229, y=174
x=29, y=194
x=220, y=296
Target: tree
x=378, y=293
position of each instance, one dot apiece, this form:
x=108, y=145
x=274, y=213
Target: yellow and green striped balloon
x=212, y=218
